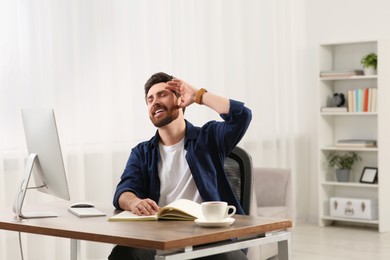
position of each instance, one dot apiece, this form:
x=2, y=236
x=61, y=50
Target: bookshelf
x=334, y=126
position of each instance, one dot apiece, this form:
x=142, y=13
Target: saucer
x=224, y=223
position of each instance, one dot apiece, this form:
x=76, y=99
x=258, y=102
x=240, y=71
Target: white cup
x=215, y=211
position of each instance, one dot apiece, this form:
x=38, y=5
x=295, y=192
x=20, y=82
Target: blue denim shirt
x=206, y=146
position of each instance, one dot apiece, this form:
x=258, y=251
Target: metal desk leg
x=74, y=253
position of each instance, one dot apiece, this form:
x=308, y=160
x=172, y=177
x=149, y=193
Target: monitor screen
x=45, y=160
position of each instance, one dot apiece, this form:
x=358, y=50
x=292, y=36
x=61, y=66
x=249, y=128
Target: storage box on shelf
x=354, y=124
x=353, y=208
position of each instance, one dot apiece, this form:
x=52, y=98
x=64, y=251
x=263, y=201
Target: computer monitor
x=45, y=161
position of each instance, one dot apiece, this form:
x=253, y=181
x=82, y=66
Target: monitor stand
x=21, y=193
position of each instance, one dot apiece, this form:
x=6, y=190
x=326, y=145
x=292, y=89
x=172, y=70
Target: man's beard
x=171, y=115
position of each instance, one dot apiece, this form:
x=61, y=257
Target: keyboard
x=86, y=212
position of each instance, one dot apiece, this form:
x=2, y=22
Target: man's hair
x=158, y=78
x=155, y=79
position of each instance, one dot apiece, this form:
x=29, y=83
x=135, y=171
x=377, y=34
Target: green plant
x=343, y=160
x=370, y=60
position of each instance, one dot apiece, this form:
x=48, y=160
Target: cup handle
x=230, y=208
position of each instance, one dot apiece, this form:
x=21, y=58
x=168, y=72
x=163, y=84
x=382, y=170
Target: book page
x=181, y=209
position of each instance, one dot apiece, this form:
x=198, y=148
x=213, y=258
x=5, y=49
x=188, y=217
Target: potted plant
x=343, y=162
x=369, y=62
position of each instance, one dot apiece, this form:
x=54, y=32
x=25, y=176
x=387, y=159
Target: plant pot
x=342, y=175
x=369, y=71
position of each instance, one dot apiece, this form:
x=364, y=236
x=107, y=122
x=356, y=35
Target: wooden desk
x=163, y=236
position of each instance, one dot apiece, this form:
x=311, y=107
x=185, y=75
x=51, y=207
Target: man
x=181, y=160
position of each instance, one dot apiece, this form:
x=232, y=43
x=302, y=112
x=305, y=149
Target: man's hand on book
x=181, y=209
x=145, y=207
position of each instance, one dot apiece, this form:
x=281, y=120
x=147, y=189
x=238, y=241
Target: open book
x=181, y=209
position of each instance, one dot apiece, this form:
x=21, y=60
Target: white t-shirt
x=175, y=175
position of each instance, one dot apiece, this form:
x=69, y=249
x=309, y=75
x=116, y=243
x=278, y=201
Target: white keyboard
x=86, y=212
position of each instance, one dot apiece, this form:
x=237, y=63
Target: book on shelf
x=181, y=209
x=362, y=100
x=359, y=100
x=351, y=100
x=340, y=73
x=334, y=109
x=356, y=143
x=373, y=99
x=365, y=100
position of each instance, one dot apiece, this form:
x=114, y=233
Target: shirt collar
x=191, y=133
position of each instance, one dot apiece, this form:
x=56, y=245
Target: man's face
x=162, y=105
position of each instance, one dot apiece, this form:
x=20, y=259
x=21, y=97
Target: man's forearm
x=125, y=200
x=220, y=104
x=129, y=201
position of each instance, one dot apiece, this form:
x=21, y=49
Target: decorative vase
x=342, y=175
x=369, y=71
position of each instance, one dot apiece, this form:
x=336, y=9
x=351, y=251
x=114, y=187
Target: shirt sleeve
x=234, y=127
x=131, y=179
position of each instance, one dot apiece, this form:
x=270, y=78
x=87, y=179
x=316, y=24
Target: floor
x=339, y=243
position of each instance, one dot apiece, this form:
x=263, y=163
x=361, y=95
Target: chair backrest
x=273, y=187
x=238, y=168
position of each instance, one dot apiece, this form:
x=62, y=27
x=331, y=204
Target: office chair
x=238, y=168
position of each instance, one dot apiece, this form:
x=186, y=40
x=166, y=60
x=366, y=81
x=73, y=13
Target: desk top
x=160, y=235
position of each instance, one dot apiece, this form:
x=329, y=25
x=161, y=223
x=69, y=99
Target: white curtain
x=89, y=60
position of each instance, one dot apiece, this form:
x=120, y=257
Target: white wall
x=330, y=21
